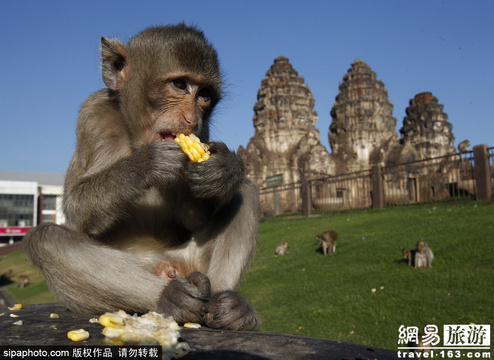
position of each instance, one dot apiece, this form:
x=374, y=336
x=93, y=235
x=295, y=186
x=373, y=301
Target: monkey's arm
x=106, y=176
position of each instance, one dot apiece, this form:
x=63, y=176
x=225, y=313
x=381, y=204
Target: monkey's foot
x=231, y=311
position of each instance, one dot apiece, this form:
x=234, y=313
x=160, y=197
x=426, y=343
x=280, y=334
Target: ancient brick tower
x=286, y=143
x=426, y=127
x=363, y=127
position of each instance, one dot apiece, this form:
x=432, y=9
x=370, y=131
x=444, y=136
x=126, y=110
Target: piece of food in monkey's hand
x=149, y=329
x=193, y=148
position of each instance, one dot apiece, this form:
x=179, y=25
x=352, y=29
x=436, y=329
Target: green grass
x=305, y=293
x=35, y=293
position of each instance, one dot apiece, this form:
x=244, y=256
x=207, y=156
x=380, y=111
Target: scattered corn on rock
x=193, y=148
x=18, y=323
x=78, y=335
x=16, y=307
x=93, y=320
x=192, y=325
x=54, y=316
x=14, y=315
x=149, y=329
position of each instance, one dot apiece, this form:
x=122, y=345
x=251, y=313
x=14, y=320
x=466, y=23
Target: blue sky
x=50, y=61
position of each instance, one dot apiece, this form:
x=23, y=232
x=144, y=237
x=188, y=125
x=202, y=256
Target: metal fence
x=435, y=179
x=448, y=177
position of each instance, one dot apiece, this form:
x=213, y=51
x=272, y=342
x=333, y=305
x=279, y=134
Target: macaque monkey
x=282, y=248
x=23, y=281
x=463, y=146
x=408, y=255
x=328, y=241
x=147, y=229
x=423, y=255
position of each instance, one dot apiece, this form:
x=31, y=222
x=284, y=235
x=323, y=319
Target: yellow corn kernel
x=112, y=320
x=54, y=316
x=191, y=325
x=16, y=307
x=78, y=335
x=193, y=148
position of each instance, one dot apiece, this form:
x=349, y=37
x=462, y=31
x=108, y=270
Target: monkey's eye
x=179, y=84
x=205, y=94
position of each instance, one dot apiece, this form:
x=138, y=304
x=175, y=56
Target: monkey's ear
x=114, y=63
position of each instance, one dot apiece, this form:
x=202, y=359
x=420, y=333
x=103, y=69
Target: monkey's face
x=181, y=103
x=168, y=83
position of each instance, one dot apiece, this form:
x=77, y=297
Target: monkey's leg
x=231, y=251
x=89, y=277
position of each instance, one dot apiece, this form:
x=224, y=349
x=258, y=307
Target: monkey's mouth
x=165, y=136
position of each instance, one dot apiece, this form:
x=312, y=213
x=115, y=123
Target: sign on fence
x=274, y=180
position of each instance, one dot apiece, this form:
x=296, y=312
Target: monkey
x=420, y=260
x=282, y=249
x=423, y=255
x=23, y=281
x=408, y=254
x=463, y=146
x=132, y=200
x=328, y=241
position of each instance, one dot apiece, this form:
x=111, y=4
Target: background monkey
x=408, y=255
x=423, y=255
x=463, y=146
x=282, y=248
x=328, y=241
x=133, y=201
x=23, y=281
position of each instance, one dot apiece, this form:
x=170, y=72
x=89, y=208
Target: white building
x=26, y=200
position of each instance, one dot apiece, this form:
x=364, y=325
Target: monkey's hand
x=166, y=162
x=231, y=311
x=185, y=299
x=217, y=178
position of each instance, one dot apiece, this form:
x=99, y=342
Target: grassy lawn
x=305, y=293
x=37, y=292
x=308, y=294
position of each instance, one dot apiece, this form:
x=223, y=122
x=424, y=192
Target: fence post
x=482, y=172
x=377, y=187
x=306, y=198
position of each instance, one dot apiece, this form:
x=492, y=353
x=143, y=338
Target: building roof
x=40, y=177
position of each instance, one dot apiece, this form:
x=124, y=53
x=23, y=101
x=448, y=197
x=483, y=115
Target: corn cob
x=149, y=329
x=193, y=148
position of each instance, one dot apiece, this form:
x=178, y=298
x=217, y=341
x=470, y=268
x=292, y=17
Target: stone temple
x=363, y=126
x=286, y=148
x=426, y=127
x=286, y=143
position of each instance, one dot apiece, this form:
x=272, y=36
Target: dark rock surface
x=39, y=329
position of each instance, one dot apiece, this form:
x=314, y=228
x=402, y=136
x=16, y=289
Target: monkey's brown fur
x=423, y=255
x=328, y=241
x=131, y=198
x=282, y=249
